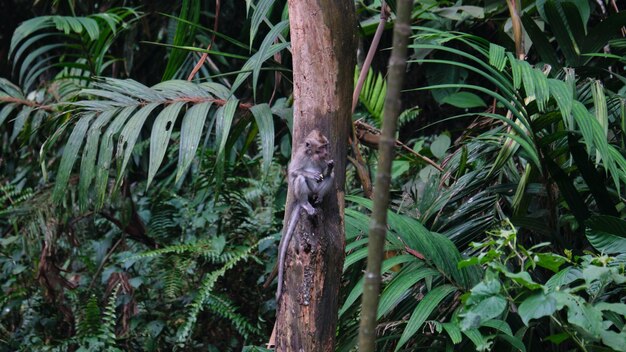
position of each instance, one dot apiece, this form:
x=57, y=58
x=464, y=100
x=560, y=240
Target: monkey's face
x=321, y=152
x=316, y=145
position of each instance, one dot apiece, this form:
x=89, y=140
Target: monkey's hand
x=319, y=178
x=329, y=167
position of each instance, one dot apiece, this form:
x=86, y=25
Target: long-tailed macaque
x=310, y=177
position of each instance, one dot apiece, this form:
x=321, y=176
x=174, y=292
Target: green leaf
x=563, y=278
x=440, y=145
x=497, y=56
x=454, y=332
x=357, y=290
x=540, y=41
x=619, y=308
x=400, y=285
x=160, y=137
x=483, y=311
x=20, y=122
x=514, y=341
x=224, y=119
x=6, y=111
x=88, y=159
x=616, y=341
x=69, y=156
x=580, y=313
x=184, y=35
x=550, y=261
x=254, y=61
x=190, y=134
x=464, y=100
x=106, y=152
x=423, y=310
x=128, y=138
x=537, y=306
x=259, y=14
x=478, y=340
x=265, y=46
x=264, y=120
x=607, y=234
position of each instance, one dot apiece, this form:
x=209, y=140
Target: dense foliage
x=141, y=211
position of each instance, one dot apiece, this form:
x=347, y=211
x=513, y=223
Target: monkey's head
x=316, y=146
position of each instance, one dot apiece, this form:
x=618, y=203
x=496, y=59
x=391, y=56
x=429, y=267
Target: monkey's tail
x=283, y=248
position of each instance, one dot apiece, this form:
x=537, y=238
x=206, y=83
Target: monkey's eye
x=307, y=144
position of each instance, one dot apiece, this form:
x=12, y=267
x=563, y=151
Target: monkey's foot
x=309, y=209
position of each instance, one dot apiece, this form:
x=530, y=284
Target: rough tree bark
x=323, y=40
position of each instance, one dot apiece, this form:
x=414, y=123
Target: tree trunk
x=324, y=56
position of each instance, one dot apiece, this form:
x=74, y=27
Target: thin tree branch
x=373, y=130
x=357, y=161
x=384, y=15
x=516, y=23
x=387, y=143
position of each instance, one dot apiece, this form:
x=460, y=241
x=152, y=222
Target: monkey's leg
x=302, y=191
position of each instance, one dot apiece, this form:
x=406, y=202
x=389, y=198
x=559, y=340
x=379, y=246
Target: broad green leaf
x=106, y=152
x=563, y=278
x=88, y=160
x=499, y=325
x=225, y=116
x=550, y=261
x=259, y=14
x=607, y=234
x=400, y=286
x=423, y=310
x=69, y=156
x=357, y=290
x=562, y=33
x=514, y=341
x=482, y=311
x=478, y=340
x=537, y=306
x=454, y=332
x=619, y=308
x=128, y=138
x=265, y=45
x=254, y=61
x=616, y=341
x=540, y=41
x=20, y=122
x=464, y=100
x=190, y=133
x=440, y=145
x=264, y=120
x=36, y=54
x=224, y=119
x=6, y=111
x=580, y=313
x=497, y=58
x=29, y=27
x=184, y=35
x=160, y=137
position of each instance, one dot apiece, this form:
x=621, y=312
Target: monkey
x=310, y=176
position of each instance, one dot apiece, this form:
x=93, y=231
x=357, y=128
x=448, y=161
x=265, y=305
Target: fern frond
x=203, y=248
x=373, y=94
x=204, y=292
x=226, y=309
x=88, y=321
x=107, y=330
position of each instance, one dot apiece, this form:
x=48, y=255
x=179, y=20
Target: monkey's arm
x=311, y=175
